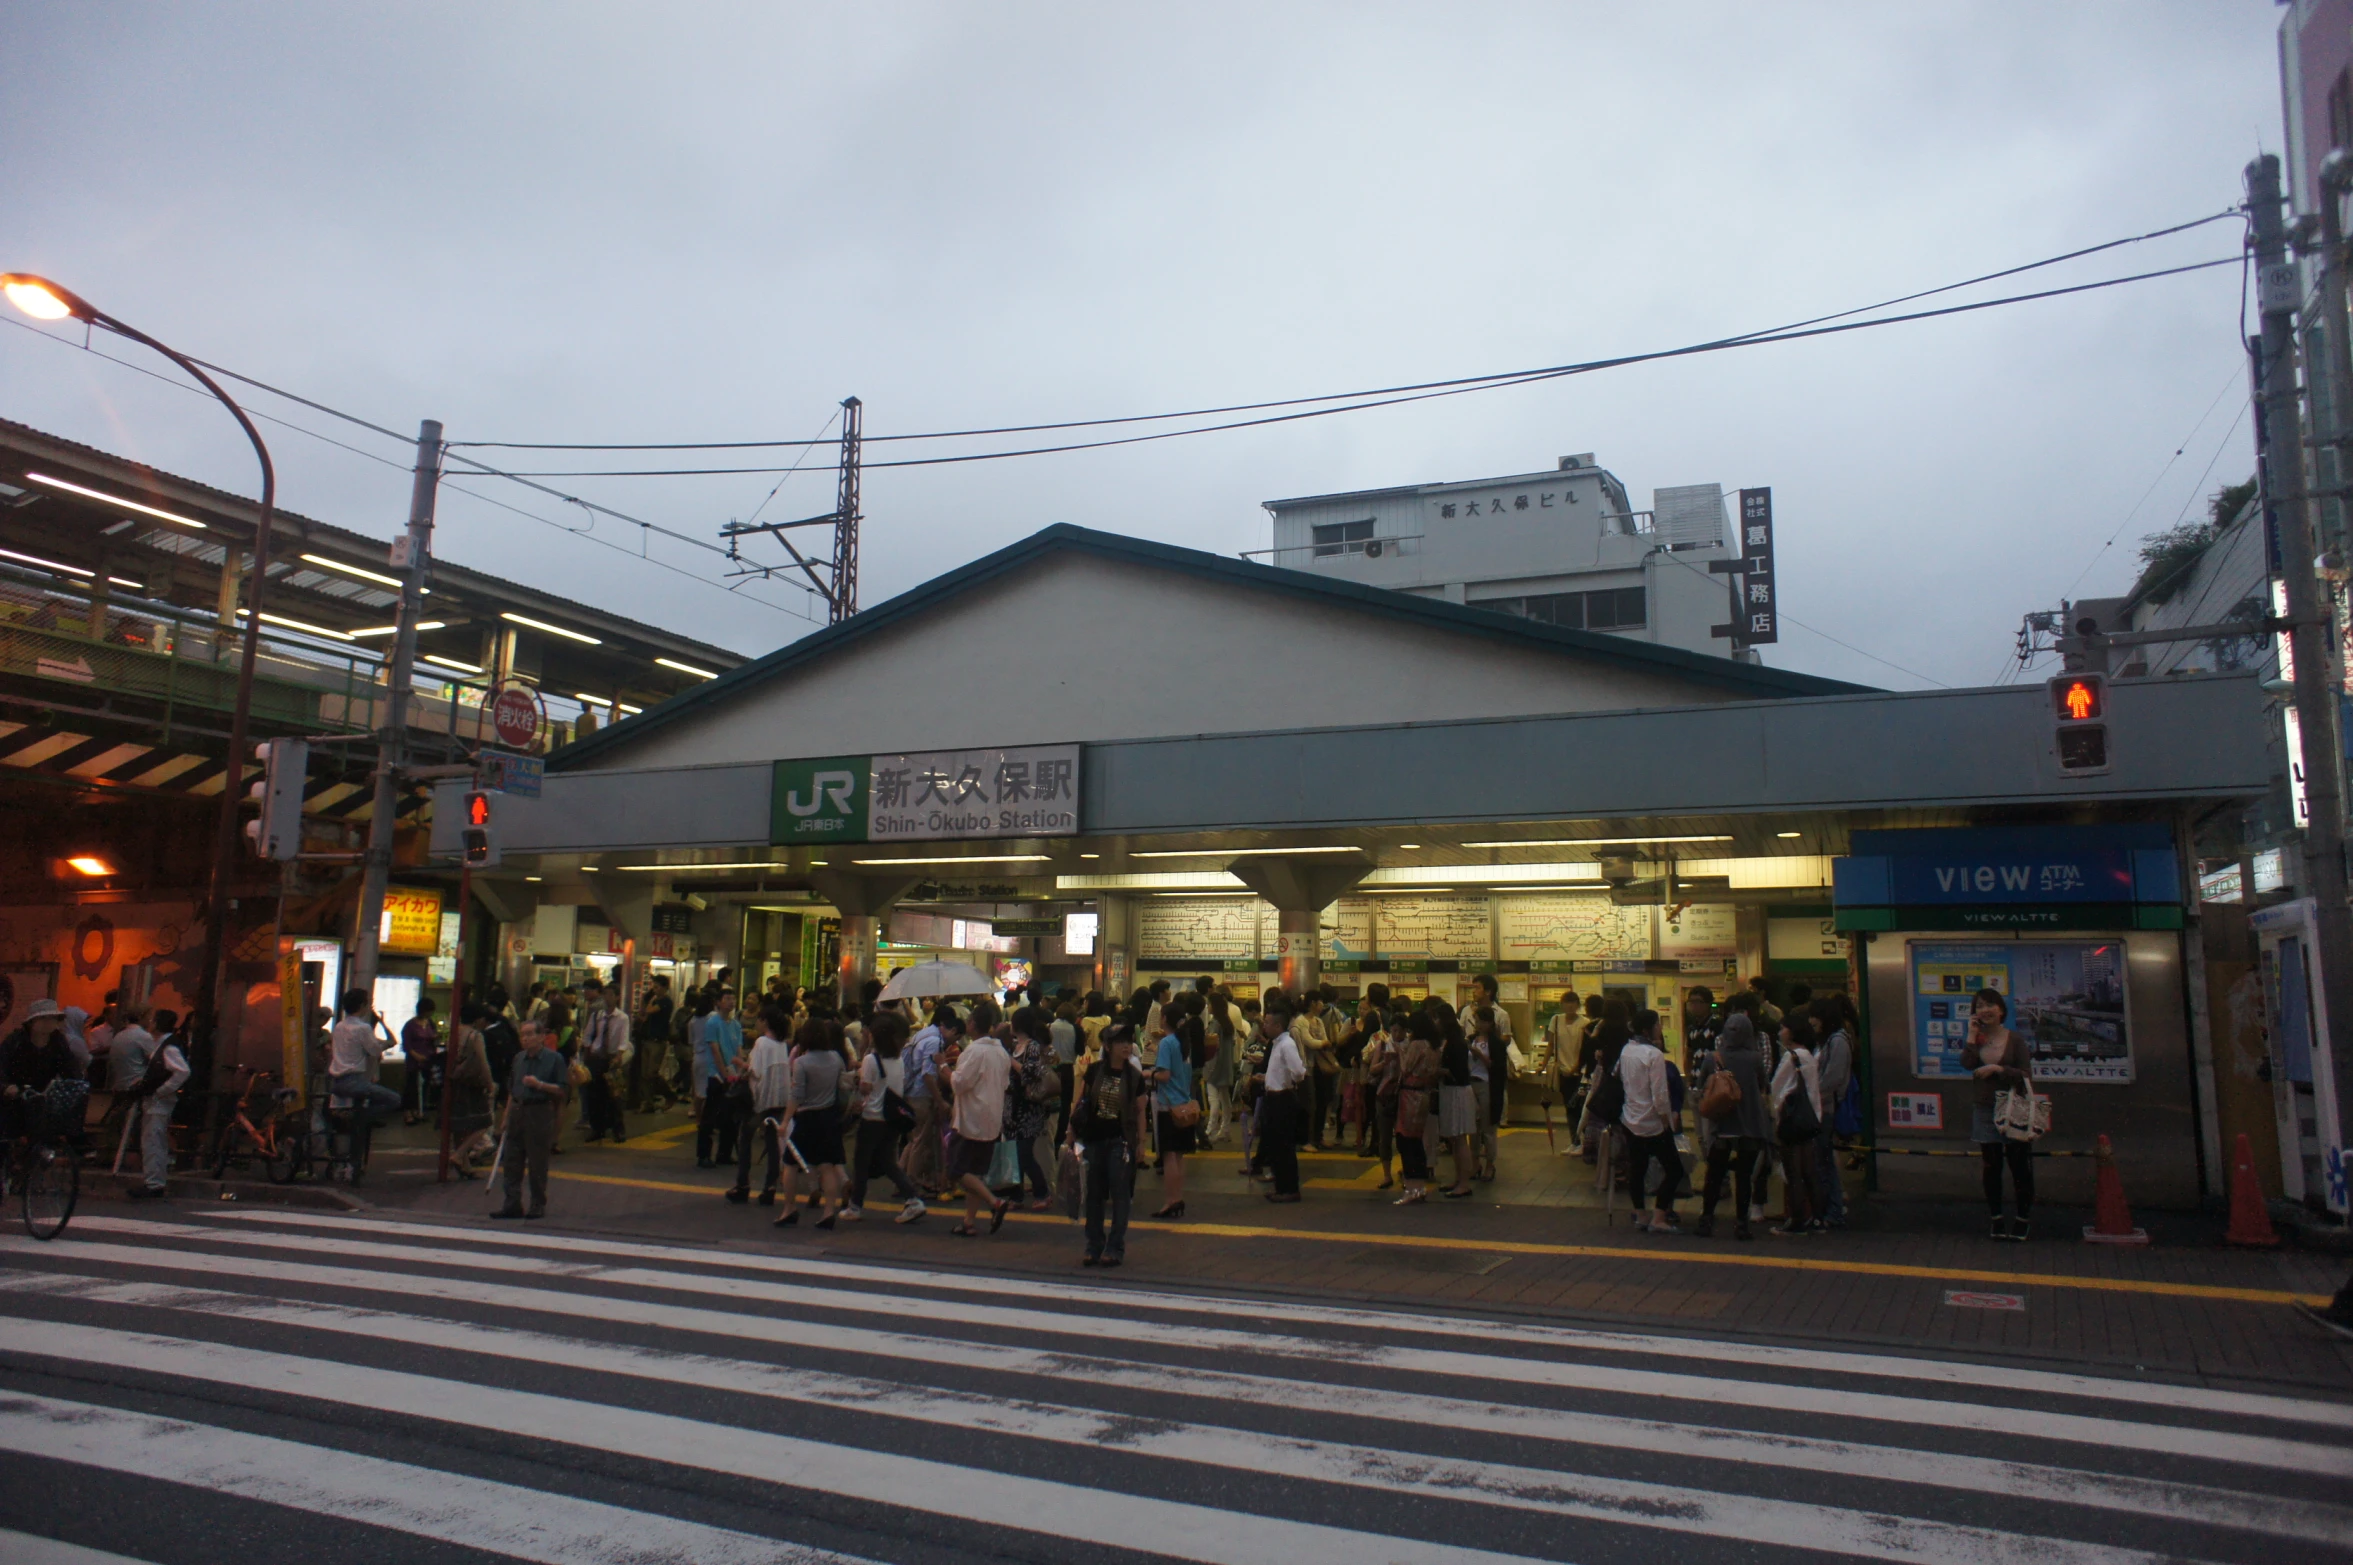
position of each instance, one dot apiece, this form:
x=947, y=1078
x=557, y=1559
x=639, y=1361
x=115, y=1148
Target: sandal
x=965, y=1231
x=997, y=1215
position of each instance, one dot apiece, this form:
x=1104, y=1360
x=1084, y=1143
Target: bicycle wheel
x=52, y=1184
x=285, y=1153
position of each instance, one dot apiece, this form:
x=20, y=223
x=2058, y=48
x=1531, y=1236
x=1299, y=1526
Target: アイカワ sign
x=930, y=796
x=412, y=923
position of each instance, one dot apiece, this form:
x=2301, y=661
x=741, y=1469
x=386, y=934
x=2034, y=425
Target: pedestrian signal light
x=2079, y=712
x=479, y=847
x=276, y=829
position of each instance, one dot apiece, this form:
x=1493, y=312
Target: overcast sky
x=622, y=222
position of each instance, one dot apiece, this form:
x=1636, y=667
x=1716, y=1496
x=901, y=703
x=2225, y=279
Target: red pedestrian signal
x=2079, y=711
x=477, y=809
x=475, y=843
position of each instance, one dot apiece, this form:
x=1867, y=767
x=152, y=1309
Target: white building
x=1566, y=547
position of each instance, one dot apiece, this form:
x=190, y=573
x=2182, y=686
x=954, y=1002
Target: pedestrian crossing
x=554, y=1396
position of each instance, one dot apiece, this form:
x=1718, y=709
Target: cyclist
x=32, y=1057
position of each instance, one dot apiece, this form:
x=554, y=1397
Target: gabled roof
x=1742, y=681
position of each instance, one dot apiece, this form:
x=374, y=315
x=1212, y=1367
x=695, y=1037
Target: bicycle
x=278, y=1141
x=43, y=1168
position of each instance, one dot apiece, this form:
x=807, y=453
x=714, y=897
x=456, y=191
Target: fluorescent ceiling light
x=136, y=586
x=1409, y=845
x=47, y=565
x=1601, y=842
x=534, y=877
x=633, y=711
x=463, y=668
x=1786, y=835
x=1481, y=874
x=585, y=699
x=304, y=626
x=553, y=630
x=393, y=630
x=1204, y=893
x=1229, y=853
x=1090, y=855
x=680, y=869
x=686, y=668
x=114, y=499
x=90, y=864
x=320, y=560
x=985, y=858
x=817, y=863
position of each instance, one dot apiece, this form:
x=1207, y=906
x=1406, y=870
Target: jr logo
x=825, y=786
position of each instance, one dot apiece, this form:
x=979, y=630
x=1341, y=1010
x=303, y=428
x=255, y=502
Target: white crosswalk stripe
x=1054, y=1420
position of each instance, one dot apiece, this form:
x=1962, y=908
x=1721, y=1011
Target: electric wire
x=179, y=384
x=1528, y=377
x=1784, y=615
x=1466, y=382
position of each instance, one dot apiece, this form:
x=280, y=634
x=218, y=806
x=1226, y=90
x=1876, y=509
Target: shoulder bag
x=2022, y=1114
x=1799, y=1122
x=1720, y=1098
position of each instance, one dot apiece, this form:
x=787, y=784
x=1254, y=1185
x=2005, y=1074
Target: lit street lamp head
x=44, y=300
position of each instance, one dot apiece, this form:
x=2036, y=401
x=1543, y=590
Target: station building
x=1271, y=775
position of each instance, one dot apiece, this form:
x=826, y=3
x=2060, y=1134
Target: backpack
x=1607, y=1101
x=151, y=1079
x=1720, y=1098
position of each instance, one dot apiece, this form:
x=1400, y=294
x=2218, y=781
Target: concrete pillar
x=861, y=900
x=1300, y=889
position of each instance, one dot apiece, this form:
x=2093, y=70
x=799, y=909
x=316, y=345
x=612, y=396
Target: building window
x=1621, y=608
x=1335, y=537
x=1612, y=608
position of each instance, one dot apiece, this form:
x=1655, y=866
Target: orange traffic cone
x=2250, y=1223
x=2111, y=1217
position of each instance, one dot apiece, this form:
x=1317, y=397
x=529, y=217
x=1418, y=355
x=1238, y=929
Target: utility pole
x=845, y=511
x=2285, y=486
x=413, y=555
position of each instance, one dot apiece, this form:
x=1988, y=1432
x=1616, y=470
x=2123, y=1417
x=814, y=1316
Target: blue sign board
x=2010, y=865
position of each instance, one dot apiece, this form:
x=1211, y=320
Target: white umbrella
x=929, y=978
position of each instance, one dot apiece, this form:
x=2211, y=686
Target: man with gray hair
x=537, y=1086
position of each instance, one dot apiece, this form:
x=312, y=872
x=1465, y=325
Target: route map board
x=1440, y=926
x=1348, y=930
x=1205, y=929
x=1574, y=926
x=1704, y=929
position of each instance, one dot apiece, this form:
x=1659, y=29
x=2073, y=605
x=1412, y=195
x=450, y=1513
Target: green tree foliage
x=2168, y=558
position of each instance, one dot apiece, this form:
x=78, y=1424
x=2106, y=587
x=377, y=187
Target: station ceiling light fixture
x=1786, y=835
x=1409, y=846
x=90, y=864
x=689, y=869
x=394, y=630
x=116, y=500
x=1090, y=855
x=984, y=858
x=553, y=630
x=1229, y=853
x=305, y=626
x=463, y=668
x=1481, y=874
x=1602, y=842
x=326, y=564
x=59, y=566
x=686, y=668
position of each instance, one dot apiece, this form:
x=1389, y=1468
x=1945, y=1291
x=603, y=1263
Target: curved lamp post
x=46, y=301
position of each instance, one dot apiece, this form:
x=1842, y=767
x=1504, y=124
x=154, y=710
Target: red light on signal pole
x=477, y=809
x=2079, y=699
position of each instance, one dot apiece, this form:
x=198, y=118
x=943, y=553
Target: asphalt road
x=255, y=1387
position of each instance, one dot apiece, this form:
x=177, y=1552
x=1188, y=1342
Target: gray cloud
x=572, y=222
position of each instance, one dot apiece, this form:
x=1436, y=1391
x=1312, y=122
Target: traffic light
x=479, y=847
x=2079, y=718
x=276, y=831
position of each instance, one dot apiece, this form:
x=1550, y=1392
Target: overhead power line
x=1452, y=389
x=1467, y=381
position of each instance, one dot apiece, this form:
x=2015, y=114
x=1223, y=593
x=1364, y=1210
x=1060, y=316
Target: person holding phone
x=1995, y=1057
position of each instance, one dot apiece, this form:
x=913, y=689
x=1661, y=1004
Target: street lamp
x=46, y=301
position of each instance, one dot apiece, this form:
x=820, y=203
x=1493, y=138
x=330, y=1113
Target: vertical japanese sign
x=293, y=1033
x=1760, y=601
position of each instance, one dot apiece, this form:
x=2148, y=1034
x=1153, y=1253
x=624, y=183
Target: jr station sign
x=933, y=796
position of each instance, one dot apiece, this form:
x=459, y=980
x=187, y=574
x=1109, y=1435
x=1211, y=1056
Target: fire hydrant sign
x=514, y=715
x=935, y=796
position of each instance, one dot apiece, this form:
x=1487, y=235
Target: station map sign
x=928, y=796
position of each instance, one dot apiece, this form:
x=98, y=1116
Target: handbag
x=1185, y=1115
x=1069, y=1182
x=1720, y=1098
x=1799, y=1122
x=898, y=1116
x=1413, y=1112
x=1004, y=1165
x=578, y=1073
x=1352, y=1103
x=2022, y=1114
